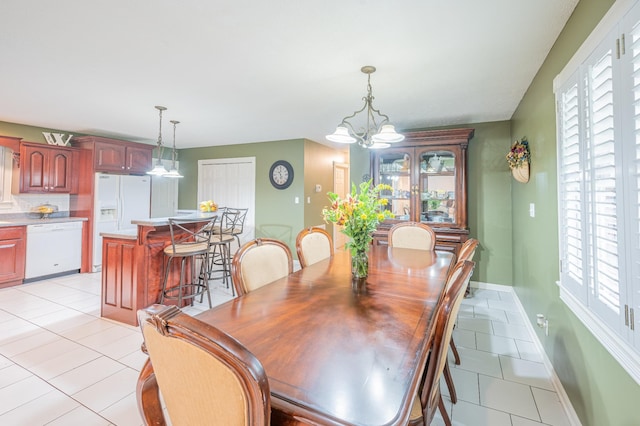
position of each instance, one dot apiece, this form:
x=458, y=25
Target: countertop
x=26, y=221
x=132, y=234
x=125, y=234
x=164, y=221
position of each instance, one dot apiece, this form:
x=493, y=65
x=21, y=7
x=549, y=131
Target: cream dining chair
x=428, y=396
x=412, y=235
x=467, y=252
x=260, y=262
x=206, y=376
x=313, y=245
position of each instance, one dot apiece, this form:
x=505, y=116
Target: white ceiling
x=249, y=70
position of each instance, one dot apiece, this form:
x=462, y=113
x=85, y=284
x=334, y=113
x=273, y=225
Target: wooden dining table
x=337, y=353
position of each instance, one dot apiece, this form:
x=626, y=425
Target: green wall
x=601, y=392
x=27, y=133
x=276, y=213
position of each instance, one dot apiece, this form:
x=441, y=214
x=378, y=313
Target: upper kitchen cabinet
x=116, y=156
x=44, y=169
x=427, y=174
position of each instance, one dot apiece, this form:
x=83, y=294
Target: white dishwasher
x=53, y=248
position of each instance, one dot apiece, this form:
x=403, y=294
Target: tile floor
x=61, y=364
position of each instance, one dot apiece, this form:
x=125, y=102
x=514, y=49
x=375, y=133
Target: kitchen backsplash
x=25, y=203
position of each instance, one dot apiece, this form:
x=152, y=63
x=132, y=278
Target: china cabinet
x=427, y=176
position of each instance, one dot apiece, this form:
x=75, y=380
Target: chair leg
x=443, y=411
x=456, y=356
x=166, y=279
x=450, y=385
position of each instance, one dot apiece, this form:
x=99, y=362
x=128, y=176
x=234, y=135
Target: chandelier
x=158, y=169
x=173, y=173
x=377, y=133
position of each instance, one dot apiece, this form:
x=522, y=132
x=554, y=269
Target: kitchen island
x=133, y=265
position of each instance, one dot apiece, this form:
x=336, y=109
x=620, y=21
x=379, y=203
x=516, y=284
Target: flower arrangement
x=359, y=213
x=519, y=154
x=208, y=206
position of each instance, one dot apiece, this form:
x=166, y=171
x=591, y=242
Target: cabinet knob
x=122, y=167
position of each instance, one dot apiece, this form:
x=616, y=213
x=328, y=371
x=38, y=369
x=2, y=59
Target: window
x=598, y=108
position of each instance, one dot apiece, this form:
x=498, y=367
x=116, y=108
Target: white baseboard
x=562, y=394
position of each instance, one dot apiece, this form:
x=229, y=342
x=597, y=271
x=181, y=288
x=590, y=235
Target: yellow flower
x=363, y=216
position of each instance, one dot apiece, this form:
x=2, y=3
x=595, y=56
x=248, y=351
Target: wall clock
x=281, y=174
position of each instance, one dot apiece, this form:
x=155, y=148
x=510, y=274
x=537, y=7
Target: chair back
x=313, y=245
x=206, y=376
x=233, y=221
x=412, y=235
x=187, y=238
x=468, y=249
x=445, y=317
x=260, y=262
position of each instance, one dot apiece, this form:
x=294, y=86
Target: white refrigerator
x=119, y=199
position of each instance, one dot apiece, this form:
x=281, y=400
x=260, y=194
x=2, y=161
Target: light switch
x=296, y=200
x=318, y=187
x=308, y=200
x=532, y=210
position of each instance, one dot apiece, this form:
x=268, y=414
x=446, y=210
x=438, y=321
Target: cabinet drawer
x=12, y=232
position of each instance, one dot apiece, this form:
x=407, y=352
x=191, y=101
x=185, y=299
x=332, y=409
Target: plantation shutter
x=631, y=136
x=603, y=259
x=570, y=190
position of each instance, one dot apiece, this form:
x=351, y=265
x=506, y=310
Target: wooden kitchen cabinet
x=119, y=280
x=116, y=156
x=12, y=255
x=44, y=169
x=427, y=174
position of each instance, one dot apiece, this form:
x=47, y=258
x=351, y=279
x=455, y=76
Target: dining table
x=338, y=351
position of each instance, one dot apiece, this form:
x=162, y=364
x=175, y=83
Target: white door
x=340, y=187
x=230, y=182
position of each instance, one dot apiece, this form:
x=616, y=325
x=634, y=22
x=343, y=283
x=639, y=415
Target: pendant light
x=377, y=133
x=174, y=173
x=158, y=169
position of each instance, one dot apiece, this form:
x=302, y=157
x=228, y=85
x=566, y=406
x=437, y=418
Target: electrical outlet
x=532, y=210
x=296, y=200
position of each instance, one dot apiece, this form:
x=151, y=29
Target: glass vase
x=360, y=265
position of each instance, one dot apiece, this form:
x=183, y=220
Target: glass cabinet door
x=437, y=186
x=394, y=168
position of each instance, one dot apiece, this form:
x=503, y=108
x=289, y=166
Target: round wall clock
x=281, y=174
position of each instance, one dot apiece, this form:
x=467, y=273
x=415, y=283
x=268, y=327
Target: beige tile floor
x=61, y=364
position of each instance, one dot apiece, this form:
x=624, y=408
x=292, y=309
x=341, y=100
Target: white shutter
x=631, y=102
x=601, y=183
x=570, y=190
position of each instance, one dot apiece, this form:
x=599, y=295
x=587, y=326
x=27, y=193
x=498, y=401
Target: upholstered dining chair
x=466, y=252
x=206, y=376
x=260, y=262
x=429, y=397
x=313, y=245
x=412, y=235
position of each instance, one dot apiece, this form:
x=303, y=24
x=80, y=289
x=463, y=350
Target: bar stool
x=191, y=246
x=220, y=249
x=235, y=224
